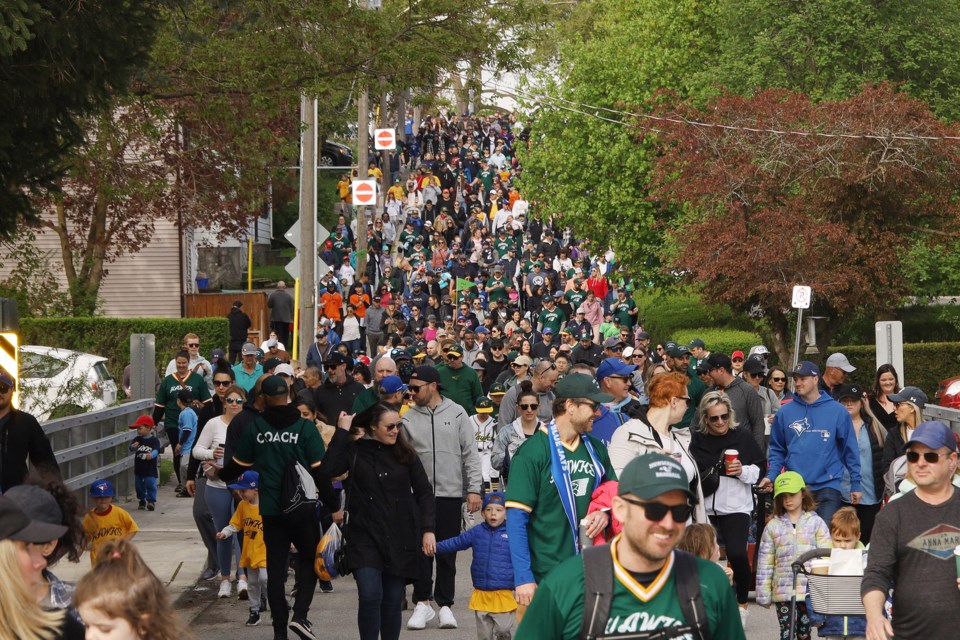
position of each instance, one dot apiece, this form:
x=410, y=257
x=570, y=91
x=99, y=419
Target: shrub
x=110, y=337
x=925, y=364
x=718, y=340
x=665, y=314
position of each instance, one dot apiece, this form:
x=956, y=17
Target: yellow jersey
x=246, y=519
x=116, y=523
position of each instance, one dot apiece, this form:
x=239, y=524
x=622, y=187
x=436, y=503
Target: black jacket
x=391, y=505
x=330, y=399
x=239, y=323
x=22, y=438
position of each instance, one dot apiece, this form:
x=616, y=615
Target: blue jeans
x=828, y=502
x=220, y=504
x=146, y=488
x=380, y=597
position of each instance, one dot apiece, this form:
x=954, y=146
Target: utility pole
x=363, y=145
x=384, y=154
x=308, y=223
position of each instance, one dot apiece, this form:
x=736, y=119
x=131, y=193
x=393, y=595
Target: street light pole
x=308, y=223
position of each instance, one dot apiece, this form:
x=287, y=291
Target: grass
x=166, y=471
x=271, y=272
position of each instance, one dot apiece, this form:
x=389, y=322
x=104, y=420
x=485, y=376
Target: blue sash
x=561, y=479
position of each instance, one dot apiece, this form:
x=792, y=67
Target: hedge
x=717, y=340
x=663, y=315
x=110, y=337
x=925, y=364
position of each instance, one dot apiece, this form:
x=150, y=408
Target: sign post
x=890, y=346
x=801, y=301
x=143, y=366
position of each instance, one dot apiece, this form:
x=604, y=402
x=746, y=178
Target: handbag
x=710, y=478
x=340, y=555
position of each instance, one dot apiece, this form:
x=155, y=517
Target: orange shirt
x=360, y=304
x=332, y=304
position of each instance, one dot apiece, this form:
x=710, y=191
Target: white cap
x=627, y=353
x=840, y=361
x=285, y=369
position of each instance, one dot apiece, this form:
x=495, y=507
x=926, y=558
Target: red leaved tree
x=778, y=190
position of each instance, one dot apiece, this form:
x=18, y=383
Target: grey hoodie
x=445, y=442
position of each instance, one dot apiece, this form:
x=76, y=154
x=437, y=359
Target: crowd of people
x=487, y=383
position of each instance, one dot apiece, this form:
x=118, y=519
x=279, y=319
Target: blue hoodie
x=817, y=441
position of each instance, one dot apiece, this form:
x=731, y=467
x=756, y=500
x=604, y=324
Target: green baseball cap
x=653, y=474
x=580, y=385
x=788, y=482
x=498, y=389
x=484, y=405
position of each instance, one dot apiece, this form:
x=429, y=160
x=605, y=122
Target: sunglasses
x=193, y=344
x=529, y=407
x=657, y=511
x=778, y=379
x=517, y=366
x=723, y=417
x=932, y=457
x=616, y=349
x=415, y=388
x=588, y=403
x=222, y=383
x=620, y=378
x=453, y=356
x=393, y=426
x=5, y=388
x=233, y=400
x=737, y=360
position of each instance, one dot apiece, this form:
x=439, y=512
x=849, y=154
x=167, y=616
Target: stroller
x=829, y=595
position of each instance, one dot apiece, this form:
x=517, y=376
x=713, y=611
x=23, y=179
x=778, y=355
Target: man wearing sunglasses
x=552, y=478
x=645, y=572
x=22, y=439
x=460, y=382
x=911, y=547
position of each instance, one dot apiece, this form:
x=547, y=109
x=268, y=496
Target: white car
x=55, y=383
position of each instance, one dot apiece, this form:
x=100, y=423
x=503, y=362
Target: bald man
x=384, y=367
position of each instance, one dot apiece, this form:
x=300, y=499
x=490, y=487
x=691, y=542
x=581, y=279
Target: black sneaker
x=151, y=506
x=303, y=628
x=254, y=618
x=142, y=505
x=325, y=586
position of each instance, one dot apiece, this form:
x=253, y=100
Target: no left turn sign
x=364, y=192
x=384, y=139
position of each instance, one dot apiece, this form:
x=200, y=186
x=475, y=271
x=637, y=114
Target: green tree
x=58, y=62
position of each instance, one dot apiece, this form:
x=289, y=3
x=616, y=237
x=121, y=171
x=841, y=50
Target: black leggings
x=734, y=529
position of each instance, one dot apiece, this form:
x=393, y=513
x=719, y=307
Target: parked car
x=334, y=154
x=948, y=393
x=55, y=383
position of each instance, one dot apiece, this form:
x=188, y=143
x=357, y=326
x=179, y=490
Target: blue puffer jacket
x=491, y=568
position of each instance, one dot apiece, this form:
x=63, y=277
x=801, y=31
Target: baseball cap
x=217, y=354
x=912, y=395
x=271, y=363
x=425, y=373
x=788, y=482
x=335, y=359
x=736, y=354
x=628, y=352
x=523, y=360
x=580, y=385
x=15, y=524
x=143, y=421
x=484, y=405
x=185, y=396
x=754, y=366
x=272, y=342
x=390, y=385
x=614, y=367
x=454, y=349
x=494, y=497
x=274, y=386
x=840, y=361
x=697, y=343
x=248, y=349
x=547, y=331
x=675, y=350
x=247, y=480
x=651, y=475
x=933, y=434
x=805, y=368
x=497, y=389
x=612, y=341
x=718, y=361
x=643, y=335
x=848, y=391
x=284, y=369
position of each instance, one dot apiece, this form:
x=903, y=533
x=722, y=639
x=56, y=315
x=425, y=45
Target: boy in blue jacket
x=491, y=570
x=845, y=532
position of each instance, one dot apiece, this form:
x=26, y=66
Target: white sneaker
x=242, y=589
x=225, y=589
x=423, y=614
x=744, y=614
x=447, y=621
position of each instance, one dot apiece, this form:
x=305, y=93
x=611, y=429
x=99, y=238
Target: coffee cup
x=730, y=456
x=820, y=566
x=956, y=557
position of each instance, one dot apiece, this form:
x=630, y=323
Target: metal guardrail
x=946, y=415
x=93, y=446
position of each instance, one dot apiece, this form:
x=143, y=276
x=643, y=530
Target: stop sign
x=364, y=192
x=384, y=139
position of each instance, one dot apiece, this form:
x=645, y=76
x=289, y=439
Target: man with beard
x=642, y=578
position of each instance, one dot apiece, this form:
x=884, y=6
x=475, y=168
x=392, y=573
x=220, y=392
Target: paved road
x=170, y=544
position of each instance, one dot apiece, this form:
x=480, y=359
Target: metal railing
x=946, y=415
x=93, y=446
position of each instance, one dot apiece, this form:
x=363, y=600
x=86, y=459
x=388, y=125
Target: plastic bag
x=324, y=564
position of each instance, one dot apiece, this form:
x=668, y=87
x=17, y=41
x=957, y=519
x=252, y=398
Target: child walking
x=146, y=448
x=845, y=533
x=123, y=595
x=106, y=521
x=186, y=432
x=253, y=556
x=491, y=570
x=794, y=530
x=700, y=539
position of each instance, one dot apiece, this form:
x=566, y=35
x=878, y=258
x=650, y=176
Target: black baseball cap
x=425, y=373
x=17, y=525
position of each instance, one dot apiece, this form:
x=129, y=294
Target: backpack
x=298, y=491
x=598, y=595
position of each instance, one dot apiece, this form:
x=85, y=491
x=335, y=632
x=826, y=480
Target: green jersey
x=167, y=395
x=270, y=449
x=621, y=311
x=502, y=246
x=407, y=238
x=553, y=318
x=557, y=609
x=575, y=298
x=499, y=294
x=486, y=179
x=531, y=489
x=608, y=329
x=341, y=247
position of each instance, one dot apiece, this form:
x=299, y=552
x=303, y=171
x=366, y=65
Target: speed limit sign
x=801, y=297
